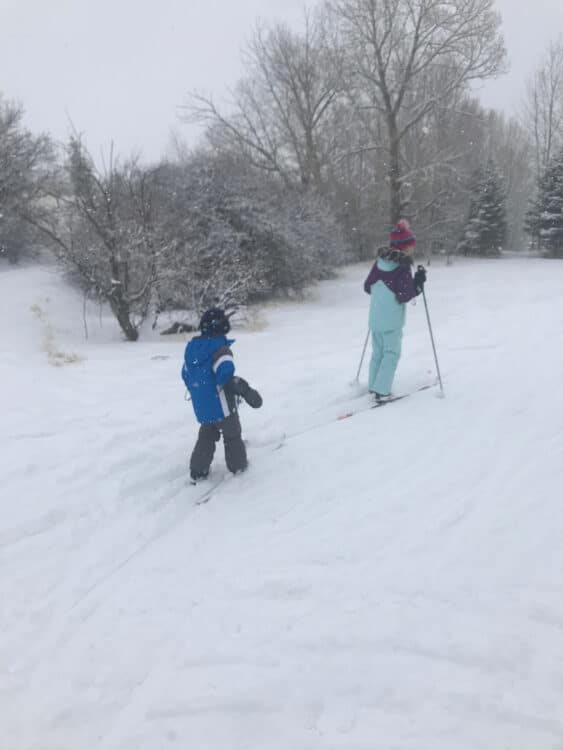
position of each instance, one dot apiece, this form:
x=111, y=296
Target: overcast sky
x=119, y=69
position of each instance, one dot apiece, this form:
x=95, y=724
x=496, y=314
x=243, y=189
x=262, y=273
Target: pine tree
x=485, y=229
x=547, y=214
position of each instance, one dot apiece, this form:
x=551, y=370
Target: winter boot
x=381, y=398
x=196, y=477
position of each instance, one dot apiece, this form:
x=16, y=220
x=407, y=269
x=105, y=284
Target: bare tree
x=407, y=58
x=510, y=147
x=543, y=106
x=438, y=155
x=26, y=169
x=101, y=226
x=292, y=81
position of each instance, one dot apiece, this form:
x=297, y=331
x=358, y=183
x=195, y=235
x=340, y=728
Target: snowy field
x=392, y=581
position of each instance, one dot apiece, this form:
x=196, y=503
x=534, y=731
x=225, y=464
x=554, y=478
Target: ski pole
x=432, y=337
x=362, y=358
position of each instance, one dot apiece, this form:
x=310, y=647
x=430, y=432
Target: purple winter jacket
x=395, y=274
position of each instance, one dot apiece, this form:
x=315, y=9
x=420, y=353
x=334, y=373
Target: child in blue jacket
x=391, y=285
x=209, y=375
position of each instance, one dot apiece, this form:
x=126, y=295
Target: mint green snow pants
x=386, y=350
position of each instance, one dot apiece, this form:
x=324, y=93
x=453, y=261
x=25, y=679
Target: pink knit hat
x=401, y=236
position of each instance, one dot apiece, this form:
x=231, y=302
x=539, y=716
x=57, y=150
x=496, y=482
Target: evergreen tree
x=547, y=214
x=532, y=221
x=485, y=229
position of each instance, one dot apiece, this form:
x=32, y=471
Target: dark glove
x=240, y=387
x=419, y=279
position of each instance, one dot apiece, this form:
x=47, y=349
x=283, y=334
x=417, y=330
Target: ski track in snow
x=388, y=581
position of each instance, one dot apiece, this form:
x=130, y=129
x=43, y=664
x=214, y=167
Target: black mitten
x=240, y=387
x=420, y=279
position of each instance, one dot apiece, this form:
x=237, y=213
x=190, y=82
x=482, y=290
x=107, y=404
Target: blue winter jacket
x=208, y=365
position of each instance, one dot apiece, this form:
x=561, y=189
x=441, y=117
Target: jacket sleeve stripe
x=224, y=402
x=221, y=360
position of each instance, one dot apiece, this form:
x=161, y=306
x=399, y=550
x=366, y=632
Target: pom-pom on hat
x=401, y=236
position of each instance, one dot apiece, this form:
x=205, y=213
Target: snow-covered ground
x=386, y=582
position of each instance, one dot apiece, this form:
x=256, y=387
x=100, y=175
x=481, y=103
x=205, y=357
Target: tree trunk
x=395, y=204
x=121, y=311
x=313, y=163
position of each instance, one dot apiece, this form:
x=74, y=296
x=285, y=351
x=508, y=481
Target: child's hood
x=200, y=350
x=389, y=259
x=386, y=265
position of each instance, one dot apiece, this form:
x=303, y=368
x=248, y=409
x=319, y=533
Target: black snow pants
x=204, y=450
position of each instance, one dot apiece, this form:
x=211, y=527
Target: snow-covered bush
x=235, y=235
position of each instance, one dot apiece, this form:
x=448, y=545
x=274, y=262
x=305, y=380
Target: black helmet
x=214, y=322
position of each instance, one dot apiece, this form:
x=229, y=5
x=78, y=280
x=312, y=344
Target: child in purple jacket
x=391, y=285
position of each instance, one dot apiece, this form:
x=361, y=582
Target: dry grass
x=55, y=356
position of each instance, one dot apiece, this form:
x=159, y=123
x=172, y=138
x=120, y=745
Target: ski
x=377, y=404
x=274, y=445
x=391, y=400
x=208, y=494
x=401, y=396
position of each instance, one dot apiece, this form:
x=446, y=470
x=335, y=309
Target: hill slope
x=387, y=581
